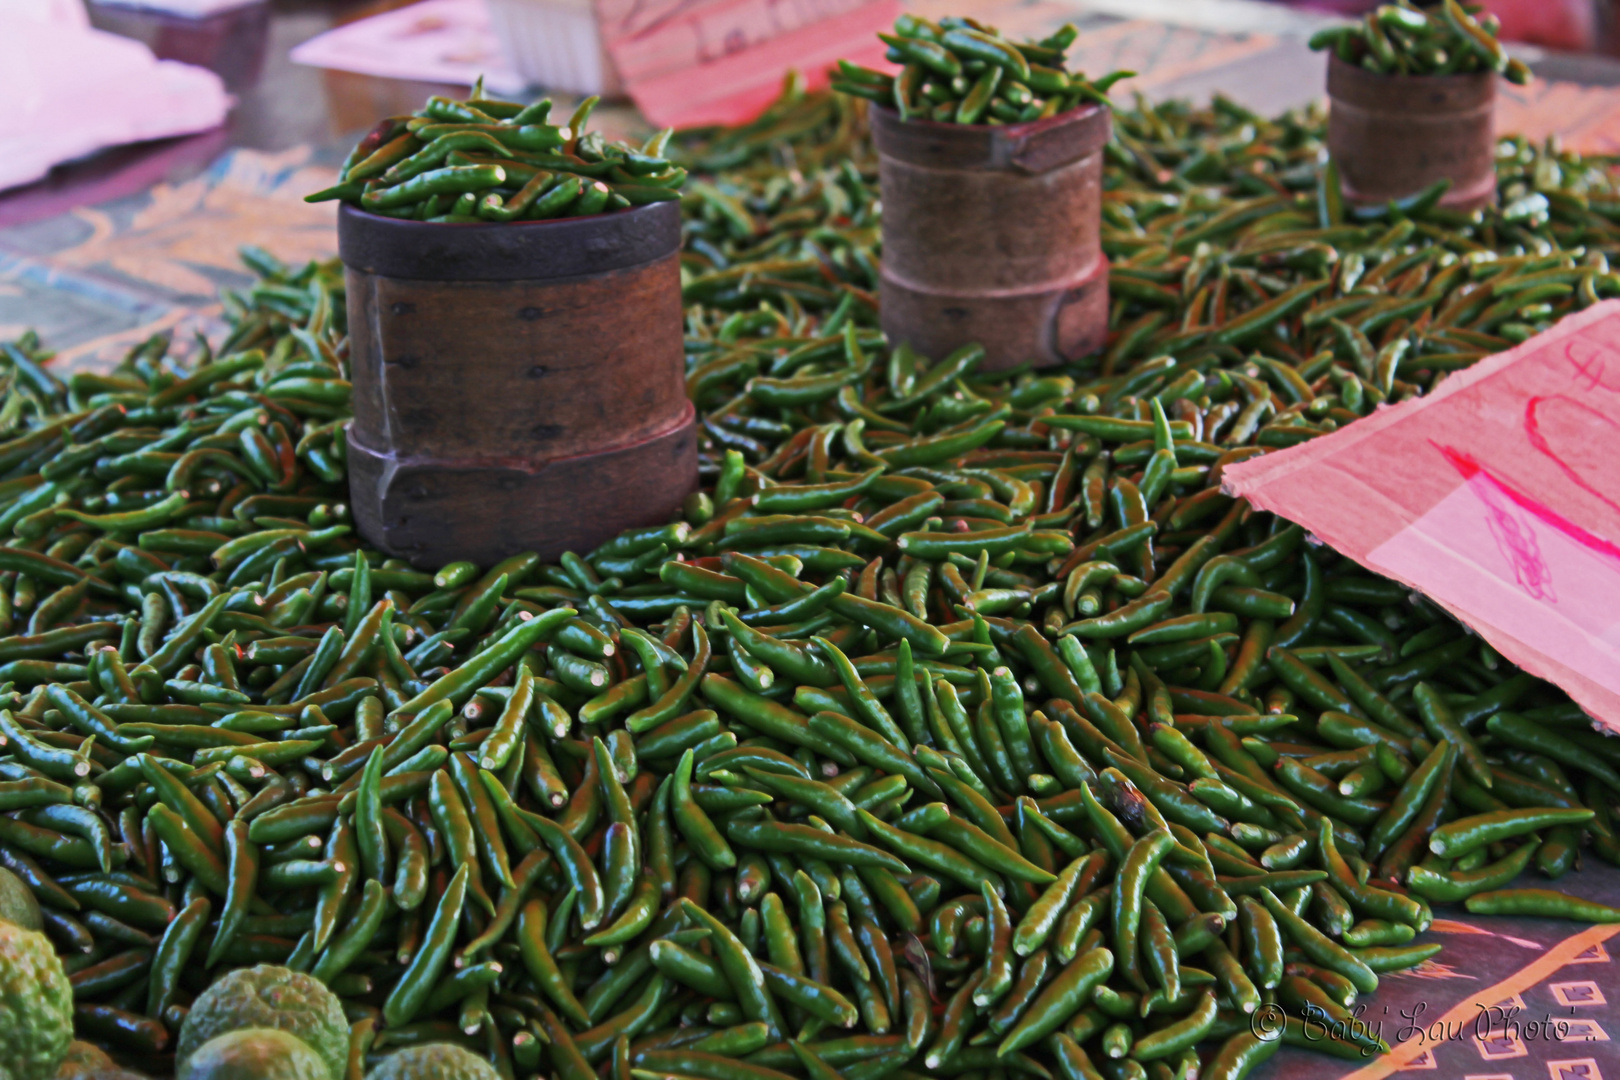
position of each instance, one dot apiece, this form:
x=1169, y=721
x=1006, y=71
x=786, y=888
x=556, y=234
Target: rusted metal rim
x=508, y=251
x=1448, y=95
x=1036, y=147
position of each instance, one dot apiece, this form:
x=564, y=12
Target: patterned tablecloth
x=1505, y=1000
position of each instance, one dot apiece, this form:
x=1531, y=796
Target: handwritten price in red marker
x=1497, y=496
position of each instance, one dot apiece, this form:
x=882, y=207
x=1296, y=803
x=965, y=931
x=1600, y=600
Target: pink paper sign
x=688, y=63
x=1498, y=496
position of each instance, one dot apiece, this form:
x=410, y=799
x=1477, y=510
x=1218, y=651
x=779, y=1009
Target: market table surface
x=140, y=240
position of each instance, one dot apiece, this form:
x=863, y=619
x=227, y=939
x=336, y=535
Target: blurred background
x=108, y=97
x=1576, y=25
x=144, y=142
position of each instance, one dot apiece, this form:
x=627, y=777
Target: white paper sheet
x=441, y=41
x=71, y=90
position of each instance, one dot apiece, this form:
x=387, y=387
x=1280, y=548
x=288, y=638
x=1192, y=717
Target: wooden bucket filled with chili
x=1393, y=136
x=517, y=385
x=1412, y=95
x=992, y=234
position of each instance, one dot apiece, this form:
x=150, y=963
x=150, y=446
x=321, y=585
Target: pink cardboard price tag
x=688, y=63
x=1498, y=496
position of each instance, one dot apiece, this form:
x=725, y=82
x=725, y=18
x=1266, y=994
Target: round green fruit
x=84, y=1060
x=254, y=1054
x=434, y=1061
x=269, y=997
x=87, y=1061
x=36, y=1005
x=17, y=903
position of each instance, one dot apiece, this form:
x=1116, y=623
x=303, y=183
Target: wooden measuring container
x=992, y=234
x=517, y=386
x=1394, y=135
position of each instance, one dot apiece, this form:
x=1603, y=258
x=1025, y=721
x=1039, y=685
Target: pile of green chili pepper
x=961, y=726
x=1445, y=38
x=487, y=160
x=960, y=71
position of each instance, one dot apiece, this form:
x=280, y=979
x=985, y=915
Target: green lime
x=17, y=903
x=269, y=997
x=87, y=1061
x=36, y=1005
x=254, y=1054
x=434, y=1061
